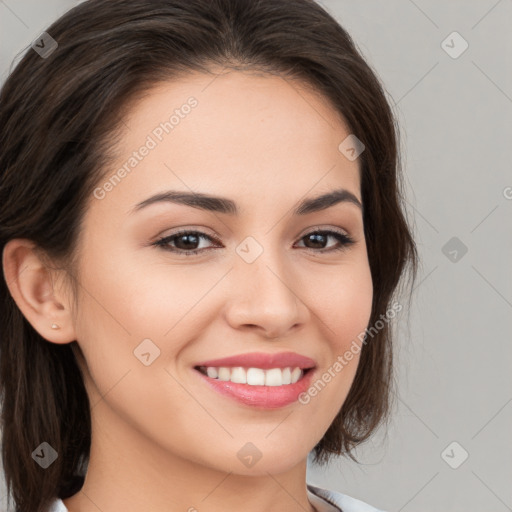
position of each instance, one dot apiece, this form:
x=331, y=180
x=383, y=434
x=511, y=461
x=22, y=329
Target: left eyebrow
x=229, y=207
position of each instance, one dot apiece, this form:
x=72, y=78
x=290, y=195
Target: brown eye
x=319, y=239
x=187, y=242
x=184, y=242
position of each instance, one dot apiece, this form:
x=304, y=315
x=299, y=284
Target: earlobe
x=31, y=285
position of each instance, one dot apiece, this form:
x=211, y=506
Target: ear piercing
x=55, y=326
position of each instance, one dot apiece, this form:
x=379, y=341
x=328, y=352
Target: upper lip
x=263, y=361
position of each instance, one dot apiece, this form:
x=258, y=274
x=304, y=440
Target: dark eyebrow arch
x=227, y=206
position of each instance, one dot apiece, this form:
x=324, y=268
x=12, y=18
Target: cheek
x=124, y=303
x=343, y=303
x=139, y=299
x=344, y=310
x=116, y=315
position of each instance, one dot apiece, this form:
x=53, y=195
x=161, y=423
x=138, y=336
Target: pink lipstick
x=259, y=379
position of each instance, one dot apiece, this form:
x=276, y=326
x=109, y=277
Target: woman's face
x=259, y=282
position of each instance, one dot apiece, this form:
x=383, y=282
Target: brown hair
x=59, y=117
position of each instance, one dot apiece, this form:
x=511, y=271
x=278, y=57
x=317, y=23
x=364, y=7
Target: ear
x=34, y=289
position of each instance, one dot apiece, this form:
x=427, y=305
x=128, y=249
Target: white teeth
x=224, y=373
x=297, y=372
x=255, y=376
x=287, y=376
x=274, y=377
x=238, y=375
x=212, y=372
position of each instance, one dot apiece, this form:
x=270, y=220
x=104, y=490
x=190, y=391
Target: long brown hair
x=59, y=116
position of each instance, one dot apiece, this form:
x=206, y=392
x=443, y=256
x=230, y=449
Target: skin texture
x=161, y=439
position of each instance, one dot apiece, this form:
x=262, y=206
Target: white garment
x=334, y=501
x=322, y=499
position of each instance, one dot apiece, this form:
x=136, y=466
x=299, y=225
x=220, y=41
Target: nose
x=264, y=298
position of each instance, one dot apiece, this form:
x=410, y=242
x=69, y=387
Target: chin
x=261, y=458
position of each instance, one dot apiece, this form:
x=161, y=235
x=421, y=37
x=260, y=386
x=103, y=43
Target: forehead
x=232, y=133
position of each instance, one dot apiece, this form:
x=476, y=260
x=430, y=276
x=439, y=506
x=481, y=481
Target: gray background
x=455, y=358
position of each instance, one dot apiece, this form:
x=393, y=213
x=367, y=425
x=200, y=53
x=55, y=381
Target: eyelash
x=344, y=240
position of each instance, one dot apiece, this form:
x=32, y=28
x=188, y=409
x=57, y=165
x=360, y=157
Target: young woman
x=202, y=233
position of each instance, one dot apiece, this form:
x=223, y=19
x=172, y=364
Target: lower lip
x=267, y=397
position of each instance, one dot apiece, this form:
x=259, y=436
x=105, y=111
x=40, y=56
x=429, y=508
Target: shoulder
x=344, y=502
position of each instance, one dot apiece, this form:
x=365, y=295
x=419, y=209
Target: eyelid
x=187, y=231
x=343, y=244
x=314, y=229
x=200, y=230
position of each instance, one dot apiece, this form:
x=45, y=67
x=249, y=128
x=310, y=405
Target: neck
x=148, y=477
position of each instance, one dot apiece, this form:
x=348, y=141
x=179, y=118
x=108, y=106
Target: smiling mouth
x=255, y=376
